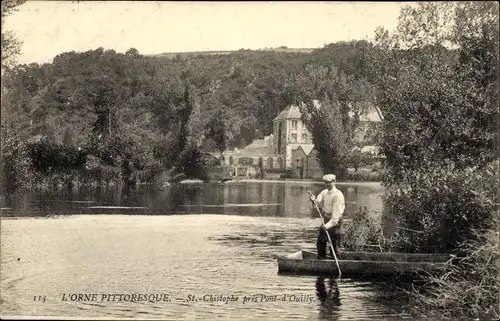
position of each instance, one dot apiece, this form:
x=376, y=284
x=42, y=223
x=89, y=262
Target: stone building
x=290, y=146
x=258, y=154
x=289, y=133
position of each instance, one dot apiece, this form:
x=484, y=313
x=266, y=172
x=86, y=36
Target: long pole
x=327, y=234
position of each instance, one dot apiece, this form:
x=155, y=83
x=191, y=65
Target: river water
x=178, y=253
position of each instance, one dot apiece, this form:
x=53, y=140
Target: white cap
x=329, y=178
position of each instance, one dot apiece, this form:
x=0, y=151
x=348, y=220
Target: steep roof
x=306, y=148
x=290, y=112
x=293, y=112
x=257, y=143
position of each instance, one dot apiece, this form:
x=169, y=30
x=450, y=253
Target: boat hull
x=362, y=264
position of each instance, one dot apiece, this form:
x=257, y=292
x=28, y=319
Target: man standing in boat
x=331, y=203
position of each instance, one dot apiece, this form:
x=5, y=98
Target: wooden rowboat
x=365, y=264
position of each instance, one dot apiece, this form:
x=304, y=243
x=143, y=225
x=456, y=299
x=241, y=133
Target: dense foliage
x=341, y=98
x=10, y=44
x=102, y=117
x=137, y=114
x=441, y=140
x=441, y=111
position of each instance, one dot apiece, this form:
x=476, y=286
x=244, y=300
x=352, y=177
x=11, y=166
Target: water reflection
x=180, y=254
x=328, y=296
x=271, y=243
x=277, y=199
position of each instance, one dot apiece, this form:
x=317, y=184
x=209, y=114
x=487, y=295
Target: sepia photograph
x=253, y=160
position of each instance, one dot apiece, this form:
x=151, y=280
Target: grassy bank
x=469, y=287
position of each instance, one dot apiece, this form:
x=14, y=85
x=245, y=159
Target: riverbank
x=300, y=181
x=293, y=181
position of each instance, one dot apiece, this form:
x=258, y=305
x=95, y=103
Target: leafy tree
x=191, y=162
x=331, y=125
x=351, y=57
x=330, y=137
x=10, y=45
x=132, y=52
x=218, y=132
x=191, y=130
x=440, y=109
x=14, y=165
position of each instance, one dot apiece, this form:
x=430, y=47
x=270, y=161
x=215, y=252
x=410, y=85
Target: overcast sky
x=48, y=28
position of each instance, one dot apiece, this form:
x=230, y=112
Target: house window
x=294, y=124
x=294, y=138
x=304, y=138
